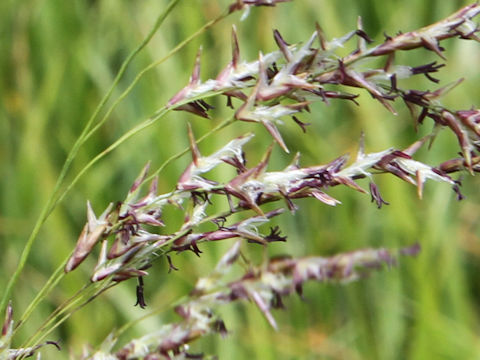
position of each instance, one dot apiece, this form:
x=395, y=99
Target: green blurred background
x=58, y=59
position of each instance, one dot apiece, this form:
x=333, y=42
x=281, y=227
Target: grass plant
x=244, y=131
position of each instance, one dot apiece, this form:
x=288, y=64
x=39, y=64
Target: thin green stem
x=50, y=284
x=112, y=147
x=151, y=66
x=65, y=305
x=52, y=201
x=83, y=296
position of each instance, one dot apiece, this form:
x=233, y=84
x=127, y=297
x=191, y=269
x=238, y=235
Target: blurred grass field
x=58, y=60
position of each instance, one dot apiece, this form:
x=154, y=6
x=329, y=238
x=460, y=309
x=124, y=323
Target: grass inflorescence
x=231, y=189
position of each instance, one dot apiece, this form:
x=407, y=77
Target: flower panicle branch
x=128, y=245
x=286, y=81
x=459, y=24
x=266, y=286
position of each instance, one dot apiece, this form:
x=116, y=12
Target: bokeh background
x=58, y=58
